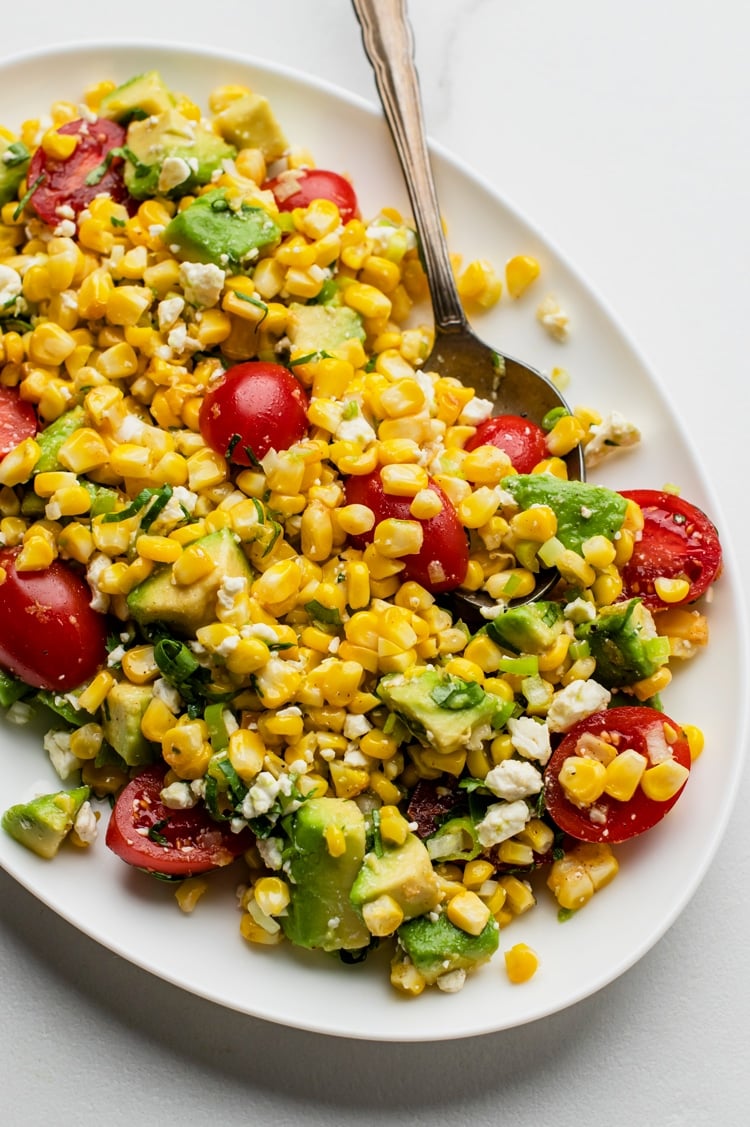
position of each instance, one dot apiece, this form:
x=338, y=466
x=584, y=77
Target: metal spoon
x=514, y=387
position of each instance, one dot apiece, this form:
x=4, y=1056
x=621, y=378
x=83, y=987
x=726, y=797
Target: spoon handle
x=389, y=45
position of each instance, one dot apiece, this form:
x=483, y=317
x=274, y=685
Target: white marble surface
x=621, y=131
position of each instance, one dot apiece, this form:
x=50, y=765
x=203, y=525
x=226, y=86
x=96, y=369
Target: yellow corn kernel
x=478, y=507
x=316, y=532
x=188, y=893
x=515, y=853
x=272, y=895
x=555, y=655
x=485, y=465
x=47, y=483
x=476, y=873
x=186, y=749
x=598, y=551
x=246, y=753
x=695, y=738
x=582, y=779
x=383, y=915
x=49, y=344
x=59, y=146
x=466, y=911
x=205, y=470
x=574, y=568
x=94, y=694
x=519, y=897
x=623, y=774
x=12, y=530
x=538, y=523
x=394, y=828
x=156, y=721
x=18, y=464
x=248, y=656
x=426, y=504
x=485, y=653
x=395, y=538
x=127, y=304
x=520, y=272
x=36, y=554
x=406, y=979
x=280, y=582
x=75, y=542
x=71, y=501
x=663, y=781
x=357, y=584
x=335, y=840
x=348, y=781
x=254, y=932
x=521, y=963
x=117, y=362
x=355, y=519
x=84, y=450
x=565, y=435
x=378, y=745
x=404, y=480
x=465, y=669
x=193, y=564
x=86, y=741
x=139, y=665
x=538, y=835
x=367, y=300
x=671, y=590
x=385, y=790
x=519, y=582
x=652, y=685
x=160, y=549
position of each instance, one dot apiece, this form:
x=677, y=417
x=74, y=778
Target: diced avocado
x=436, y=946
x=328, y=847
x=193, y=153
x=122, y=713
x=315, y=328
x=403, y=872
x=11, y=689
x=103, y=499
x=43, y=824
x=53, y=436
x=625, y=644
x=14, y=163
x=582, y=509
x=139, y=97
x=442, y=711
x=249, y=123
x=186, y=608
x=531, y=628
x=210, y=231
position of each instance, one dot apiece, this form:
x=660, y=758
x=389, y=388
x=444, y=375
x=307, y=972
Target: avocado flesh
x=624, y=643
x=445, y=729
x=141, y=96
x=315, y=328
x=210, y=231
x=186, y=608
x=43, y=824
x=403, y=872
x=320, y=914
x=249, y=123
x=437, y=947
x=170, y=134
x=582, y=509
x=123, y=711
x=12, y=171
x=531, y=628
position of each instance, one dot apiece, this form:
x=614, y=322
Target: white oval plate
x=204, y=953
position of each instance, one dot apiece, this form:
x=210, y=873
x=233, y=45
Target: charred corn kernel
x=406, y=979
x=75, y=542
x=476, y=873
x=193, y=564
x=50, y=344
x=663, y=781
x=582, y=779
x=272, y=894
x=36, y=554
x=18, y=464
x=139, y=665
x=395, y=538
x=623, y=774
x=160, y=549
x=518, y=582
x=367, y=300
x=538, y=523
x=695, y=738
x=94, y=695
x=521, y=963
x=355, y=519
x=567, y=432
x=186, y=749
x=383, y=915
x=84, y=450
x=466, y=911
x=650, y=686
x=520, y=272
x=465, y=669
x=671, y=590
x=357, y=584
x=536, y=834
x=59, y=146
x=86, y=741
x=425, y=504
x=246, y=753
x=475, y=510
x=188, y=893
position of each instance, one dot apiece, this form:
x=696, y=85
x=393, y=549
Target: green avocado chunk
x=436, y=946
x=53, y=436
x=531, y=628
x=442, y=711
x=122, y=713
x=320, y=914
x=249, y=123
x=193, y=151
x=403, y=872
x=315, y=328
x=14, y=163
x=186, y=608
x=210, y=231
x=141, y=96
x=625, y=644
x=582, y=509
x=43, y=824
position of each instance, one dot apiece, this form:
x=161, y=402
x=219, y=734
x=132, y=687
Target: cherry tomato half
x=252, y=409
x=49, y=635
x=181, y=842
x=524, y=442
x=678, y=542
x=64, y=183
x=17, y=420
x=616, y=821
x=441, y=562
x=300, y=186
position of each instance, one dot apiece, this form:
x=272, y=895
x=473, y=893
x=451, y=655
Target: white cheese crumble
x=579, y=611
x=19, y=713
x=475, y=412
x=167, y=694
x=613, y=433
x=452, y=981
x=174, y=171
x=530, y=738
x=85, y=824
x=575, y=702
x=356, y=430
x=261, y=795
x=178, y=796
x=502, y=820
x=97, y=564
x=552, y=318
x=270, y=852
x=356, y=726
x=513, y=779
x=65, y=229
x=168, y=310
x=202, y=283
x=57, y=746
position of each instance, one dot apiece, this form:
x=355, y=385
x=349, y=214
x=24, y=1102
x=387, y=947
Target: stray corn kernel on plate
x=240, y=714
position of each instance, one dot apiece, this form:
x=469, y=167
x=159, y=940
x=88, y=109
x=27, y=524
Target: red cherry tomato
x=49, y=635
x=254, y=408
x=182, y=842
x=616, y=821
x=64, y=182
x=441, y=562
x=300, y=186
x=17, y=420
x=523, y=441
x=678, y=542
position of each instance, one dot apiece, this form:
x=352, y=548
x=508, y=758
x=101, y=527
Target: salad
x=235, y=514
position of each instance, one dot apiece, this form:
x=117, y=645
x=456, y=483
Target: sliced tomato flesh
x=89, y=171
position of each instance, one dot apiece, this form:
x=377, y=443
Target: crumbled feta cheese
x=155, y=230
x=230, y=593
x=178, y=337
x=613, y=433
x=85, y=824
x=356, y=430
x=98, y=563
x=19, y=713
x=475, y=412
x=65, y=229
x=182, y=500
x=356, y=726
x=353, y=757
x=116, y=655
x=261, y=630
x=86, y=113
x=514, y=778
x=167, y=694
x=552, y=318
x=261, y=795
x=168, y=311
x=452, y=981
x=501, y=821
x=130, y=429
x=530, y=738
x=202, y=283
x=579, y=611
x=576, y=701
x=270, y=851
x=227, y=646
x=178, y=796
x=174, y=171
x=57, y=746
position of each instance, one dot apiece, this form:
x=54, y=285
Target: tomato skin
x=445, y=548
x=261, y=402
x=678, y=540
x=624, y=819
x=524, y=442
x=49, y=635
x=17, y=420
x=313, y=184
x=64, y=181
x=196, y=843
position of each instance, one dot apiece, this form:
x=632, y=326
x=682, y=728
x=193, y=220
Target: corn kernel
x=582, y=779
x=521, y=963
x=466, y=911
x=520, y=272
x=623, y=774
x=665, y=780
x=94, y=694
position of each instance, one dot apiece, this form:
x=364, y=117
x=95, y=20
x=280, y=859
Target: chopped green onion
x=526, y=666
x=27, y=195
